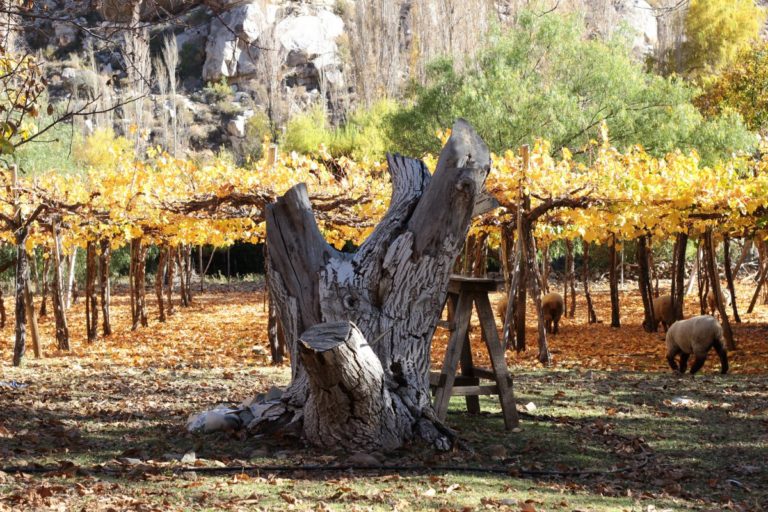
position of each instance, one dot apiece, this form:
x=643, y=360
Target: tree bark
x=162, y=261
x=91, y=299
x=20, y=343
x=546, y=268
x=702, y=278
x=59, y=313
x=746, y=248
x=105, y=256
x=138, y=284
x=171, y=268
x=678, y=275
x=46, y=287
x=613, y=278
x=644, y=282
x=393, y=289
x=591, y=315
x=532, y=271
x=71, y=290
x=569, y=305
x=729, y=277
x=714, y=282
x=34, y=332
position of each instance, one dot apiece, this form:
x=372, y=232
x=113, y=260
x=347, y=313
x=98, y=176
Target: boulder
x=236, y=126
x=310, y=39
x=640, y=17
x=65, y=34
x=230, y=41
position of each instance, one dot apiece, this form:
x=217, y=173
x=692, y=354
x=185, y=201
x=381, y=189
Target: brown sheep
x=663, y=311
x=711, y=306
x=552, y=307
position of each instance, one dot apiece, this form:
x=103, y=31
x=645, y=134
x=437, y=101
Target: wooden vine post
x=729, y=276
x=359, y=326
x=678, y=275
x=59, y=313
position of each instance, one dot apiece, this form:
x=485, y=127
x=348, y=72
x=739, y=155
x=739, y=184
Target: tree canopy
x=545, y=79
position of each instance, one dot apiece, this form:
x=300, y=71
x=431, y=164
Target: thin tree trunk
x=46, y=287
x=138, y=284
x=613, y=278
x=182, y=276
x=744, y=253
x=59, y=312
x=644, y=282
x=714, y=282
x=105, y=256
x=3, y=315
x=20, y=343
x=91, y=298
x=760, y=281
x=591, y=315
x=32, y=320
x=529, y=256
x=546, y=268
x=678, y=275
x=702, y=279
x=171, y=267
x=694, y=277
x=729, y=277
x=71, y=290
x=162, y=262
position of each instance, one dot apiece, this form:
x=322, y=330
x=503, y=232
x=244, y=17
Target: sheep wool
x=695, y=336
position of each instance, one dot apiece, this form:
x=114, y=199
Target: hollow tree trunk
x=392, y=290
x=714, y=282
x=105, y=255
x=613, y=278
x=91, y=300
x=678, y=275
x=591, y=315
x=729, y=277
x=59, y=312
x=644, y=282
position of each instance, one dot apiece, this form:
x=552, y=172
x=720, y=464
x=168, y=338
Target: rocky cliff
x=278, y=56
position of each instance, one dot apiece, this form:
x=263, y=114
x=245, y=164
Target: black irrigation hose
x=340, y=468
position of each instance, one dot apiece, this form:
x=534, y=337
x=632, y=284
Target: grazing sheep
x=663, y=311
x=695, y=336
x=552, y=308
x=711, y=306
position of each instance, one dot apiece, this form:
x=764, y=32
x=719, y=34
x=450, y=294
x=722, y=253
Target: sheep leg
x=671, y=353
x=683, y=361
x=548, y=325
x=723, y=356
x=698, y=362
x=556, y=328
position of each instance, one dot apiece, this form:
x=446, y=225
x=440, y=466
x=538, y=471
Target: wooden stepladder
x=463, y=293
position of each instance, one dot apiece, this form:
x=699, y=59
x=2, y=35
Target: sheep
x=552, y=308
x=695, y=336
x=663, y=311
x=711, y=306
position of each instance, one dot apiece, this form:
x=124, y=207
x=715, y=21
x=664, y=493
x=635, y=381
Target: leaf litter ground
x=612, y=428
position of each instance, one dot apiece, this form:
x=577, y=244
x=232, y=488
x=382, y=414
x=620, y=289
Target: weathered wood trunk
x=613, y=278
x=91, y=300
x=644, y=282
x=729, y=277
x=59, y=313
x=105, y=256
x=392, y=289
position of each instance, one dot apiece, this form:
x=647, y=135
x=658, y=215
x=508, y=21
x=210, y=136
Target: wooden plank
x=474, y=391
x=462, y=284
x=503, y=377
x=473, y=403
x=453, y=354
